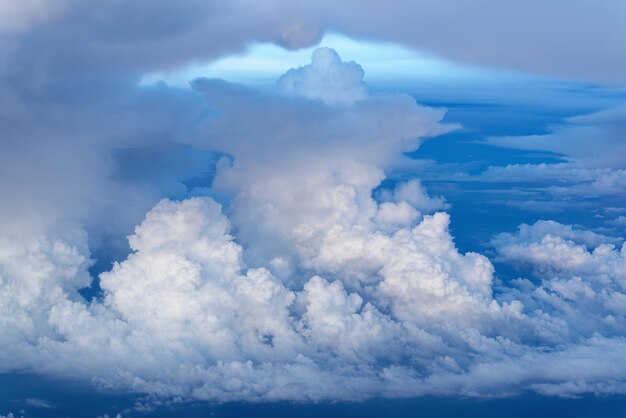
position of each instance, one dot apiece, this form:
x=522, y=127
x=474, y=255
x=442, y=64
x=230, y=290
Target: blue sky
x=293, y=209
x=262, y=63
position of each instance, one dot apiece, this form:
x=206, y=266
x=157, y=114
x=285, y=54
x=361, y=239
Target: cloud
x=115, y=155
x=311, y=279
x=183, y=317
x=590, y=174
x=540, y=229
x=37, y=274
x=414, y=193
x=590, y=141
x=186, y=272
x=592, y=147
x=314, y=196
x=581, y=274
x=38, y=403
x=506, y=29
x=25, y=14
x=620, y=221
x=326, y=78
x=146, y=36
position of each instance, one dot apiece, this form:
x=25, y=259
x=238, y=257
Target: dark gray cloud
x=575, y=39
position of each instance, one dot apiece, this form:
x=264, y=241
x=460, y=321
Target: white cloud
x=583, y=275
x=304, y=287
x=620, y=221
x=36, y=275
x=414, y=193
x=541, y=229
x=326, y=78
x=311, y=203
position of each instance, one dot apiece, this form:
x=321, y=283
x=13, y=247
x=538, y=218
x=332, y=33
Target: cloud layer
x=147, y=35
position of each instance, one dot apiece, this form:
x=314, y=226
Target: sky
x=287, y=208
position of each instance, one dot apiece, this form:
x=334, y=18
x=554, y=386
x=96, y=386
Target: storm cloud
x=260, y=253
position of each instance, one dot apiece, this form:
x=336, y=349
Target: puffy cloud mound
x=36, y=274
x=308, y=281
x=326, y=78
x=582, y=275
x=182, y=316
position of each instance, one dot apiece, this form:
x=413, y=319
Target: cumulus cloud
x=311, y=204
x=415, y=194
x=326, y=78
x=541, y=229
x=582, y=274
x=310, y=279
x=181, y=317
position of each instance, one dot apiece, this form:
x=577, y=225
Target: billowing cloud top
x=326, y=78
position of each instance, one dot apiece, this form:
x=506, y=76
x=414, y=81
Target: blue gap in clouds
x=496, y=108
x=475, y=219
